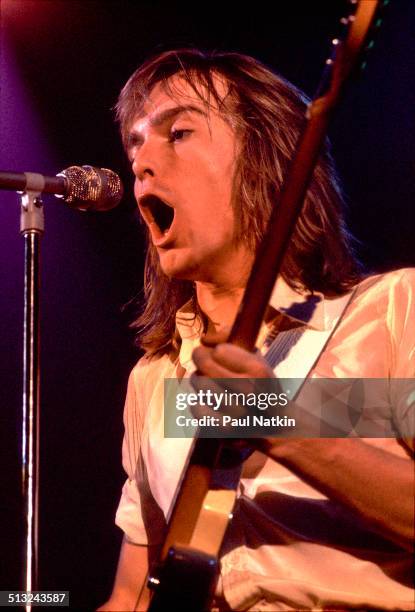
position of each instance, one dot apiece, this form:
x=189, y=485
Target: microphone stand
x=32, y=229
x=84, y=188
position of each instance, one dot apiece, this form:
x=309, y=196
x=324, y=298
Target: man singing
x=319, y=524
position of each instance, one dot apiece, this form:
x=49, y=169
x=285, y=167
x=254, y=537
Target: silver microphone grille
x=90, y=188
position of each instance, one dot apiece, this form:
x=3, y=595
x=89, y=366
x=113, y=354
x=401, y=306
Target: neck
x=220, y=292
x=220, y=305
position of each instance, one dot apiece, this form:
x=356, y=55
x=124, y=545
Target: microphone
x=81, y=187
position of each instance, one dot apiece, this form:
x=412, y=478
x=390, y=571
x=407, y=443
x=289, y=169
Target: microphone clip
x=32, y=218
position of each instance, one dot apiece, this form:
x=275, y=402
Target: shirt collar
x=314, y=310
x=303, y=306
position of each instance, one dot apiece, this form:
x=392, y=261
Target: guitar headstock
x=348, y=52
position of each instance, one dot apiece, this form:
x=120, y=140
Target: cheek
x=223, y=171
x=222, y=165
x=214, y=164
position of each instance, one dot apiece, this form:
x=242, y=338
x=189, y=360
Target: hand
x=242, y=373
x=226, y=365
x=226, y=360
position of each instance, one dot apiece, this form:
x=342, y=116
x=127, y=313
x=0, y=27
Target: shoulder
x=395, y=287
x=145, y=383
x=149, y=371
x=390, y=298
x=387, y=280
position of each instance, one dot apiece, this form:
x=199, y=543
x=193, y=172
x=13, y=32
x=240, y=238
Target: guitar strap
x=292, y=355
x=281, y=345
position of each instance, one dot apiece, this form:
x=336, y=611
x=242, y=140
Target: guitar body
x=188, y=578
x=189, y=568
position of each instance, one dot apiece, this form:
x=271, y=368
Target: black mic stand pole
x=31, y=228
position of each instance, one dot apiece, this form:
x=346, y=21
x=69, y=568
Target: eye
x=176, y=135
x=133, y=142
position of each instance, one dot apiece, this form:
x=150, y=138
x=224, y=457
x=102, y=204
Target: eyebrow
x=159, y=118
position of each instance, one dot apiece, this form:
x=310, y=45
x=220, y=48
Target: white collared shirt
x=307, y=552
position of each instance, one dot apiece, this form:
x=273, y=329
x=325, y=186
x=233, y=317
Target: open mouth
x=158, y=212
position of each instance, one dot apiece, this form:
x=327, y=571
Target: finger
x=240, y=361
x=207, y=366
x=208, y=386
x=221, y=396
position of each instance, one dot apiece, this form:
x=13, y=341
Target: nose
x=144, y=162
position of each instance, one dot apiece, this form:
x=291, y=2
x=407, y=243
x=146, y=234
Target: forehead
x=177, y=91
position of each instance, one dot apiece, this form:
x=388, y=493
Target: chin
x=177, y=267
x=182, y=274
x=182, y=264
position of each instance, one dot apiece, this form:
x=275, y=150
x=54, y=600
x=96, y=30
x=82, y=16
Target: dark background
x=62, y=64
